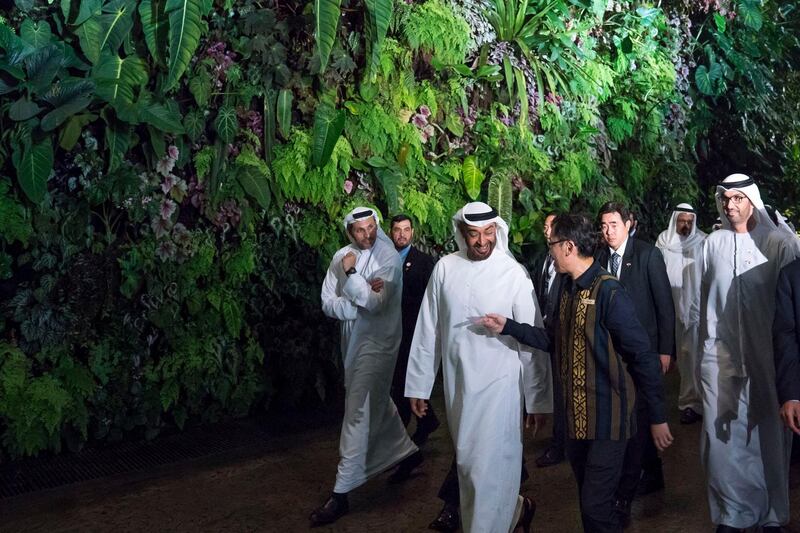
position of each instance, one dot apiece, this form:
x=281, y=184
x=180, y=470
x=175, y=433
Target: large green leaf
x=390, y=179
x=57, y=116
x=37, y=34
x=284, y=112
x=66, y=90
x=226, y=123
x=34, y=164
x=194, y=123
x=379, y=14
x=255, y=184
x=160, y=116
x=750, y=14
x=23, y=109
x=42, y=67
x=500, y=196
x=155, y=27
x=118, y=78
x=473, y=177
x=107, y=30
x=118, y=139
x=328, y=126
x=200, y=85
x=71, y=131
x=326, y=20
x=706, y=78
x=185, y=28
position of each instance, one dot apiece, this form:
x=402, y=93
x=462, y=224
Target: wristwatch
x=351, y=270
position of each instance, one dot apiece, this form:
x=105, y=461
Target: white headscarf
x=480, y=214
x=745, y=185
x=672, y=241
x=360, y=213
x=783, y=224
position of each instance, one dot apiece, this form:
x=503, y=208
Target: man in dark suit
x=417, y=268
x=641, y=270
x=786, y=344
x=547, y=283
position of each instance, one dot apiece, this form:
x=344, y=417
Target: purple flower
x=348, y=186
x=424, y=111
x=419, y=121
x=165, y=166
x=168, y=183
x=173, y=152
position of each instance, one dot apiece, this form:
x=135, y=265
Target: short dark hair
x=550, y=214
x=578, y=229
x=400, y=218
x=614, y=207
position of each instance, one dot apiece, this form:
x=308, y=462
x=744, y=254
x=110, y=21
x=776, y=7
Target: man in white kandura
x=682, y=246
x=744, y=448
x=362, y=289
x=483, y=379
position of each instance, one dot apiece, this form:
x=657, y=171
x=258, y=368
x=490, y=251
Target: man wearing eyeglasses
x=745, y=447
x=604, y=357
x=640, y=267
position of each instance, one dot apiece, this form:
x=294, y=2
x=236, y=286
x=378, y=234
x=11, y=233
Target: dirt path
x=274, y=490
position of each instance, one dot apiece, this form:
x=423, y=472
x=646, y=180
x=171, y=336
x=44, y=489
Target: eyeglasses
x=735, y=199
x=550, y=244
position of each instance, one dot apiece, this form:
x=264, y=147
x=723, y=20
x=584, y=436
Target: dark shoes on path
x=405, y=468
x=448, y=519
x=551, y=456
x=335, y=508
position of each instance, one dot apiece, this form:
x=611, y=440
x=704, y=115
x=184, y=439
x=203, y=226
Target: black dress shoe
x=690, y=416
x=405, y=468
x=525, y=520
x=448, y=519
x=622, y=510
x=333, y=510
x=551, y=456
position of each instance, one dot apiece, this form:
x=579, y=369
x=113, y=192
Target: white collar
x=619, y=251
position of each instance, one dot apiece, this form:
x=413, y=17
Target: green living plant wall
x=173, y=177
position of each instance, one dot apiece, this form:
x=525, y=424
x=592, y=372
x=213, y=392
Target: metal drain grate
x=30, y=475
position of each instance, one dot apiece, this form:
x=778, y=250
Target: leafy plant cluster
x=173, y=175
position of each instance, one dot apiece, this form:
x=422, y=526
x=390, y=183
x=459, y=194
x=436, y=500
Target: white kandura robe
x=745, y=447
x=483, y=378
x=684, y=260
x=373, y=437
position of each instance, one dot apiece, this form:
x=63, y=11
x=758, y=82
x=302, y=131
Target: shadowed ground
x=273, y=487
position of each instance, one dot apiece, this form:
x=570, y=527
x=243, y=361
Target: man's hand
x=493, y=322
x=348, y=261
x=536, y=421
x=666, y=362
x=790, y=414
x=661, y=436
x=376, y=284
x=418, y=406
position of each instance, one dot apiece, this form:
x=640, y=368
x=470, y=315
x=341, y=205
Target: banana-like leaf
x=67, y=90
x=37, y=34
x=155, y=27
x=42, y=67
x=500, y=196
x=326, y=17
x=328, y=126
x=379, y=14
x=473, y=177
x=226, y=124
x=185, y=28
x=118, y=78
x=108, y=30
x=34, y=163
x=284, y=112
x=255, y=184
x=57, y=116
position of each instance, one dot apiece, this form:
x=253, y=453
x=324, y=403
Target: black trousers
x=559, y=418
x=641, y=455
x=449, y=492
x=597, y=465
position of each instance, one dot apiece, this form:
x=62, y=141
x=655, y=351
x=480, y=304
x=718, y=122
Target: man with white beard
x=362, y=289
x=682, y=246
x=483, y=379
x=745, y=448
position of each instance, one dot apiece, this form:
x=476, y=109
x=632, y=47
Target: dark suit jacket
x=644, y=275
x=547, y=303
x=417, y=269
x=786, y=333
